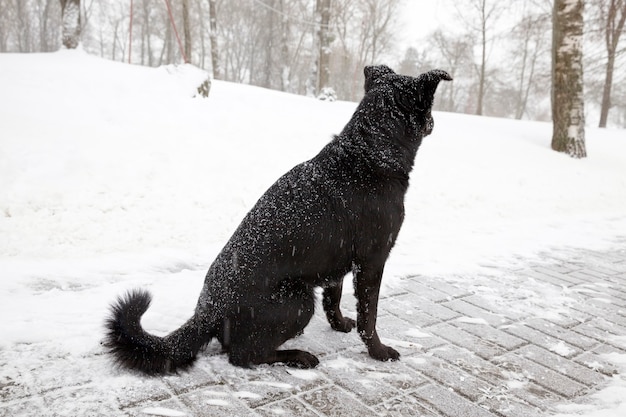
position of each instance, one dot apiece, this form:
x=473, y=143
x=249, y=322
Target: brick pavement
x=510, y=343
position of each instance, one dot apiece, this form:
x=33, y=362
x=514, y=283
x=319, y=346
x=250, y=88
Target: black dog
x=339, y=212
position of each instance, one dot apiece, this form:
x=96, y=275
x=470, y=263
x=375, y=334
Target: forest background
x=499, y=52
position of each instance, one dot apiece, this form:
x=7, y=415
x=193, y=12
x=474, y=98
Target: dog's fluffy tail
x=132, y=347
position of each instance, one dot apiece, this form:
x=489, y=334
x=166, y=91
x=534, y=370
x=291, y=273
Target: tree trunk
x=483, y=60
x=568, y=114
x=70, y=12
x=606, y=91
x=285, y=72
x=43, y=33
x=269, y=49
x=215, y=57
x=187, y=30
x=613, y=31
x=147, y=32
x=323, y=69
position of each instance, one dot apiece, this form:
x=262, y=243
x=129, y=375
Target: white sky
x=420, y=17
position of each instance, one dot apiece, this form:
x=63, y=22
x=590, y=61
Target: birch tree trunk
x=568, y=115
x=323, y=10
x=215, y=56
x=70, y=12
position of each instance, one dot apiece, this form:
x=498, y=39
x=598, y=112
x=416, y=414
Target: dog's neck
x=380, y=151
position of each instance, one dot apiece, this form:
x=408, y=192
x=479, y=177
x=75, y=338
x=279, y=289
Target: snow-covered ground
x=113, y=177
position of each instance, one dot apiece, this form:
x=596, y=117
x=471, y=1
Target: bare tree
x=376, y=28
x=70, y=11
x=568, y=110
x=612, y=17
x=530, y=32
x=455, y=51
x=323, y=68
x=48, y=31
x=24, y=27
x=363, y=31
x=187, y=30
x=486, y=13
x=215, y=56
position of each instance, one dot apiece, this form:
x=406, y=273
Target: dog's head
x=405, y=101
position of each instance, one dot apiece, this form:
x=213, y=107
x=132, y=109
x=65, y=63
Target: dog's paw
x=384, y=353
x=345, y=325
x=303, y=360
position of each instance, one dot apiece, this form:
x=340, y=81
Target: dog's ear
x=374, y=72
x=427, y=85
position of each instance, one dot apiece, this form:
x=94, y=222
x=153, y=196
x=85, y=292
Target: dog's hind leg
x=331, y=302
x=294, y=358
x=255, y=334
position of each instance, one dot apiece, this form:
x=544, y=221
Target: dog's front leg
x=331, y=302
x=367, y=285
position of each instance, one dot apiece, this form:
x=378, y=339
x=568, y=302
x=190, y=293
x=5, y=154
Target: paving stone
x=567, y=367
x=447, y=285
x=496, y=303
x=452, y=377
x=565, y=267
x=404, y=406
x=608, y=259
x=75, y=401
x=607, y=349
x=589, y=329
x=542, y=339
x=371, y=382
x=52, y=373
x=12, y=388
x=413, y=285
x=292, y=406
x=542, y=274
x=449, y=403
x=32, y=406
x=469, y=362
x=604, y=269
x=610, y=323
x=171, y=406
x=408, y=338
x=332, y=401
x=543, y=376
x=142, y=390
x=606, y=314
x=490, y=334
x=214, y=402
x=474, y=311
x=510, y=406
x=561, y=333
x=387, y=292
x=509, y=380
x=569, y=319
x=266, y=384
x=410, y=309
x=194, y=378
x=602, y=293
x=459, y=337
x=601, y=301
x=595, y=362
x=613, y=282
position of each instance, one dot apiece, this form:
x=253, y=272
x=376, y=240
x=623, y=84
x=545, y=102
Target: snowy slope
x=113, y=176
